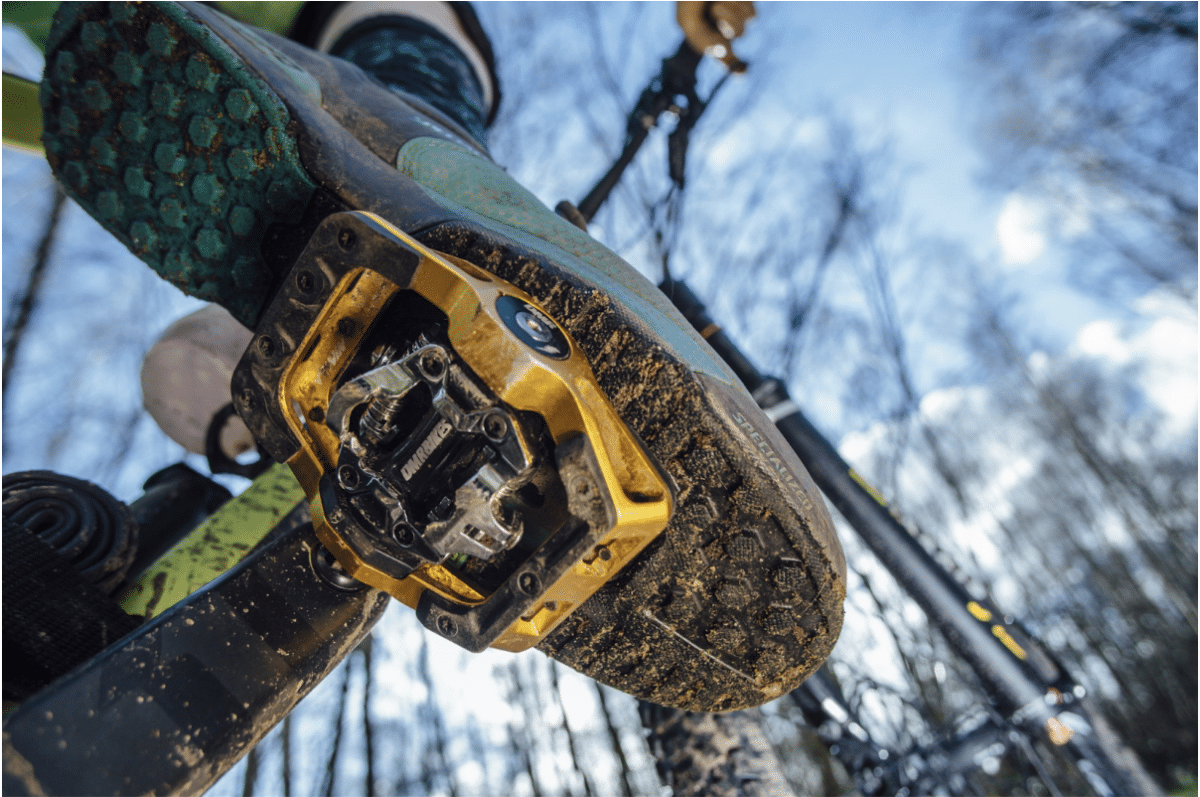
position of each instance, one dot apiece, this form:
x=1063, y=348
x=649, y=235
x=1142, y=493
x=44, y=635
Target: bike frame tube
x=22, y=115
x=1031, y=700
x=678, y=76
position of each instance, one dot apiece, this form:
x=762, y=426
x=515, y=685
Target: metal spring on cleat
x=382, y=355
x=379, y=418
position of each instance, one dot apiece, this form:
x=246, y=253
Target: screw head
x=534, y=327
x=495, y=426
x=347, y=238
x=432, y=364
x=247, y=396
x=306, y=282
x=529, y=583
x=404, y=534
x=266, y=345
x=349, y=477
x=446, y=625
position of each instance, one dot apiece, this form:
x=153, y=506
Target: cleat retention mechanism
x=452, y=440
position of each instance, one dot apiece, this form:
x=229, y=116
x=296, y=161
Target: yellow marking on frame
x=870, y=490
x=1000, y=633
x=216, y=545
x=979, y=613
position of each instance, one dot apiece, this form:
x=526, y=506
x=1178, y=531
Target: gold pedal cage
x=618, y=501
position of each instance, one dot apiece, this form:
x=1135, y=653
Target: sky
x=900, y=67
x=894, y=67
x=904, y=68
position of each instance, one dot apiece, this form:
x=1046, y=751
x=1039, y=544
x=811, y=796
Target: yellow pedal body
x=451, y=438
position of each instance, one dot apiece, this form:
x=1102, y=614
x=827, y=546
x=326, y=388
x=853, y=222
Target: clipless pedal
x=455, y=447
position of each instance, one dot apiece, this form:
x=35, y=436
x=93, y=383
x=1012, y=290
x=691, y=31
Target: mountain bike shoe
x=496, y=419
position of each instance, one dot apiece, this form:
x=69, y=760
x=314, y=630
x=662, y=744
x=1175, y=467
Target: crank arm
x=193, y=689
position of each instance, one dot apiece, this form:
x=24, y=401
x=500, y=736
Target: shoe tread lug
x=167, y=145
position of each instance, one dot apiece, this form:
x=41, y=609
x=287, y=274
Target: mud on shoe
x=495, y=419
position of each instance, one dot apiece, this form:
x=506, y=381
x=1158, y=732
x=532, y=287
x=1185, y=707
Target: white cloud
x=1165, y=353
x=1020, y=230
x=1100, y=339
x=1038, y=362
x=1169, y=379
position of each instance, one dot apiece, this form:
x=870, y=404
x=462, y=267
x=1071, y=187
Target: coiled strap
x=87, y=527
x=67, y=547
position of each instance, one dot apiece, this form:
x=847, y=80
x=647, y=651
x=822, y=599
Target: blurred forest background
x=1047, y=454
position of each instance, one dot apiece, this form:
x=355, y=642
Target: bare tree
x=368, y=668
x=250, y=774
x=1093, y=105
x=329, y=779
x=614, y=738
x=14, y=331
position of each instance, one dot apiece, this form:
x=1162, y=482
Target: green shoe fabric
x=211, y=150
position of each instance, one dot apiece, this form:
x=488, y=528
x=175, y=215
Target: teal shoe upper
x=502, y=204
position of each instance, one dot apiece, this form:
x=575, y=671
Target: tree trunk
x=28, y=301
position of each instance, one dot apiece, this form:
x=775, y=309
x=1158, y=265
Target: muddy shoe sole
x=191, y=140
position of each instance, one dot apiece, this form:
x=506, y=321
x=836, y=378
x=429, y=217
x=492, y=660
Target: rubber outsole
x=734, y=604
x=161, y=134
x=739, y=600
